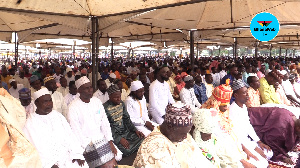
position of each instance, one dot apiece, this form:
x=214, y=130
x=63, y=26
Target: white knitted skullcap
x=136, y=85
x=81, y=81
x=40, y=93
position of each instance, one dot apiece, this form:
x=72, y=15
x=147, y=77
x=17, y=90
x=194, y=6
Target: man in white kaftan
x=160, y=96
x=137, y=109
x=52, y=136
x=57, y=98
x=14, y=89
x=101, y=92
x=242, y=127
x=88, y=120
x=187, y=94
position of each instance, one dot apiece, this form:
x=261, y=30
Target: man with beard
x=89, y=123
x=137, y=108
x=101, y=93
x=57, y=98
x=69, y=75
x=126, y=137
x=160, y=95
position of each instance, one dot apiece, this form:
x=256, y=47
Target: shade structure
x=85, y=8
x=219, y=14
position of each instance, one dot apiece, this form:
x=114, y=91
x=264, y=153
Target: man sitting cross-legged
x=89, y=123
x=137, y=108
x=126, y=137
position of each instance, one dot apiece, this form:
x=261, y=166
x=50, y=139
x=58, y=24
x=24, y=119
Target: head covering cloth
x=81, y=81
x=178, y=115
x=136, y=85
x=47, y=79
x=24, y=93
x=39, y=93
x=112, y=89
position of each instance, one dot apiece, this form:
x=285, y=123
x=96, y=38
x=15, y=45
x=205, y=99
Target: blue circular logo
x=264, y=26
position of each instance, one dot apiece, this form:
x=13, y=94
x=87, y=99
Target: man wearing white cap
x=69, y=76
x=110, y=79
x=89, y=122
x=136, y=106
x=187, y=94
x=51, y=134
x=14, y=90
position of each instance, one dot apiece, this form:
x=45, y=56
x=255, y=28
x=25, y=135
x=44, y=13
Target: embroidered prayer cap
x=69, y=69
x=40, y=93
x=33, y=78
x=97, y=153
x=47, y=79
x=113, y=75
x=179, y=115
x=223, y=93
x=203, y=121
x=136, y=85
x=81, y=81
x=24, y=93
x=237, y=84
x=188, y=78
x=11, y=80
x=112, y=89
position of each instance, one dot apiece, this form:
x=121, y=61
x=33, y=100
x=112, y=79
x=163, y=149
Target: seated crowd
x=220, y=113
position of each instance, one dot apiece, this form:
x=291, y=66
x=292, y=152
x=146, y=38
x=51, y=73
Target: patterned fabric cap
x=237, y=84
x=223, y=93
x=112, y=89
x=81, y=81
x=24, y=93
x=47, y=79
x=203, y=121
x=188, y=78
x=33, y=78
x=98, y=153
x=178, y=114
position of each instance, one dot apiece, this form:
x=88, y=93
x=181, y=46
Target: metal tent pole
x=94, y=31
x=97, y=52
x=192, y=49
x=16, y=49
x=112, y=50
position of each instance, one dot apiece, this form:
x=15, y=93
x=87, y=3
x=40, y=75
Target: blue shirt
x=200, y=92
